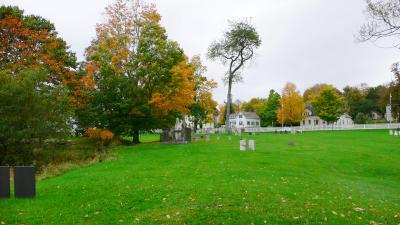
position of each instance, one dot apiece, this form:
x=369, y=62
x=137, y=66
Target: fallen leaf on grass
x=334, y=213
x=358, y=209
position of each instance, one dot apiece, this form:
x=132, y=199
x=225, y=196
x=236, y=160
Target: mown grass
x=350, y=177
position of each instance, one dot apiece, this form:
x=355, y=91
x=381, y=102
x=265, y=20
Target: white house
x=244, y=119
x=344, y=120
x=312, y=120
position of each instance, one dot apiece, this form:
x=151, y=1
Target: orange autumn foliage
x=100, y=137
x=181, y=96
x=23, y=46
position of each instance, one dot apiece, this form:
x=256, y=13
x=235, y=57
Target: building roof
x=247, y=115
x=309, y=107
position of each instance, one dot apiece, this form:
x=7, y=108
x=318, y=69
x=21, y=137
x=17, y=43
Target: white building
x=344, y=120
x=312, y=120
x=244, y=119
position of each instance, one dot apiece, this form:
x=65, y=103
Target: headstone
x=218, y=137
x=207, y=137
x=243, y=145
x=4, y=182
x=24, y=182
x=164, y=137
x=188, y=135
x=252, y=146
x=396, y=133
x=390, y=132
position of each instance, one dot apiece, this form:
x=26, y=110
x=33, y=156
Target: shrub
x=361, y=118
x=102, y=138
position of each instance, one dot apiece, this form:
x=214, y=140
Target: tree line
x=361, y=102
x=133, y=79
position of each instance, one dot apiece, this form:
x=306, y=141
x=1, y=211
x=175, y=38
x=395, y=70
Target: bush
x=102, y=138
x=361, y=118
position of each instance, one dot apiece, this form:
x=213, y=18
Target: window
x=240, y=122
x=309, y=122
x=257, y=123
x=252, y=122
x=240, y=116
x=316, y=122
x=248, y=122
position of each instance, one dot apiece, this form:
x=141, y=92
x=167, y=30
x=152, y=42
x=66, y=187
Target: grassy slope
x=319, y=180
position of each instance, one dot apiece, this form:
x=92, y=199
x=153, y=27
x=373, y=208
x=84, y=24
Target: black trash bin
x=4, y=182
x=24, y=182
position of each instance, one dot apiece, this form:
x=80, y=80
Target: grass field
x=350, y=177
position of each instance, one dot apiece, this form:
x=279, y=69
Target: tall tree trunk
x=228, y=104
x=195, y=123
x=135, y=137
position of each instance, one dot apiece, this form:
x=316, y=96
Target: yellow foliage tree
x=292, y=105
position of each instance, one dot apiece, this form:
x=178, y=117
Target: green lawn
x=322, y=179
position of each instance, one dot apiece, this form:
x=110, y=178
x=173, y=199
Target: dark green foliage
x=31, y=111
x=361, y=118
x=268, y=114
x=329, y=105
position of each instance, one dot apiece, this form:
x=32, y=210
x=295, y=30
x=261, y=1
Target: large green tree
x=235, y=49
x=31, y=111
x=142, y=80
x=271, y=105
x=329, y=106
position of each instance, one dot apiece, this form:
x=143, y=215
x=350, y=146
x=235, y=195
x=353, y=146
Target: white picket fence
x=301, y=128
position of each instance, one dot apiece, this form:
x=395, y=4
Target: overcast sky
x=304, y=41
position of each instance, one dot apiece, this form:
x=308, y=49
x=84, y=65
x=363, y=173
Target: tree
x=354, y=100
x=316, y=90
x=31, y=111
x=254, y=105
x=271, y=105
x=32, y=41
x=361, y=118
x=203, y=109
x=383, y=21
x=143, y=81
x=329, y=106
x=292, y=105
x=222, y=112
x=235, y=49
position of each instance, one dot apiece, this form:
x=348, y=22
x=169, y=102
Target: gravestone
x=391, y=132
x=218, y=138
x=4, y=182
x=165, y=136
x=243, y=145
x=207, y=137
x=188, y=135
x=252, y=146
x=396, y=133
x=24, y=182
